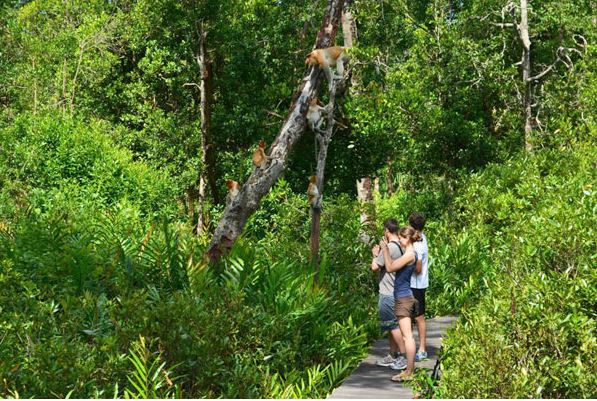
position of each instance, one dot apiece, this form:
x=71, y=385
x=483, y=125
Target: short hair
x=417, y=221
x=391, y=225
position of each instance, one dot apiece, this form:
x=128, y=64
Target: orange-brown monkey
x=313, y=192
x=326, y=58
x=314, y=115
x=233, y=188
x=259, y=157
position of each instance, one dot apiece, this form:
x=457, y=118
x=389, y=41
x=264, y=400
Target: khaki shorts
x=405, y=307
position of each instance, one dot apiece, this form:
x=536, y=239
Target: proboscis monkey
x=313, y=192
x=314, y=115
x=259, y=157
x=326, y=58
x=233, y=188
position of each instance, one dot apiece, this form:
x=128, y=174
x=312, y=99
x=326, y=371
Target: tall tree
x=324, y=138
x=523, y=32
x=207, y=174
x=262, y=179
x=530, y=102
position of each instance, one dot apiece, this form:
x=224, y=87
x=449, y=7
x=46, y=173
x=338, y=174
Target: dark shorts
x=405, y=307
x=387, y=318
x=419, y=295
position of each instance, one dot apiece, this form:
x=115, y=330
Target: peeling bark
x=349, y=27
x=262, y=179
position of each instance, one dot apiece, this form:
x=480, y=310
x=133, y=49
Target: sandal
x=401, y=377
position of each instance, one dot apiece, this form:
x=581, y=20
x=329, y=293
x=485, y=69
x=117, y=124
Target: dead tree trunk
x=523, y=32
x=349, y=27
x=323, y=140
x=529, y=82
x=365, y=196
x=262, y=179
x=207, y=172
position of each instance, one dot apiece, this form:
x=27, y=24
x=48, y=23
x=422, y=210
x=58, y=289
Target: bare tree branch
x=504, y=24
x=561, y=56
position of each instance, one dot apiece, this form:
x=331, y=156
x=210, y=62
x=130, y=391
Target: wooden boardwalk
x=372, y=381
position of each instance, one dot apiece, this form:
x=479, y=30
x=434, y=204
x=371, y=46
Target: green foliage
x=524, y=283
x=314, y=383
x=50, y=160
x=149, y=379
x=100, y=133
x=85, y=278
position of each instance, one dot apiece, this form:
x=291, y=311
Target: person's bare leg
x=393, y=345
x=422, y=329
x=409, y=343
x=397, y=340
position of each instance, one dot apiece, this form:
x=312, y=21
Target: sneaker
x=401, y=378
x=420, y=356
x=400, y=363
x=388, y=360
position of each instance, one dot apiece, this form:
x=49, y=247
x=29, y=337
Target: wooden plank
x=372, y=381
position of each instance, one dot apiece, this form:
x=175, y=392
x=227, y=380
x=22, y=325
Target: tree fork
x=349, y=31
x=262, y=179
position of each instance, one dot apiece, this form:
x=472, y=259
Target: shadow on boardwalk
x=372, y=381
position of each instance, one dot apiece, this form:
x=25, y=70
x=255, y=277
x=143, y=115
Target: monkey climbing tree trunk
x=207, y=174
x=323, y=140
x=262, y=179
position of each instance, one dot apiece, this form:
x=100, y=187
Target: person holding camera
x=395, y=359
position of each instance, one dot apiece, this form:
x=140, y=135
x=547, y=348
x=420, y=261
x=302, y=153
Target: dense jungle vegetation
x=104, y=291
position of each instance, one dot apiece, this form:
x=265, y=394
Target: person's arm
x=399, y=263
x=419, y=266
x=374, y=265
x=375, y=251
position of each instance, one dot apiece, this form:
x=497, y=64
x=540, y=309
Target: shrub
x=528, y=318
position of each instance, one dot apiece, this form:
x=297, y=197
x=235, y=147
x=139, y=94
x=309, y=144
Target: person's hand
x=383, y=243
x=376, y=249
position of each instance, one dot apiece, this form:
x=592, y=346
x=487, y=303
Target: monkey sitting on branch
x=233, y=189
x=259, y=156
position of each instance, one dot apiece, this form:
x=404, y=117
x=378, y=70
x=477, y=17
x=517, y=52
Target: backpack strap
x=399, y=247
